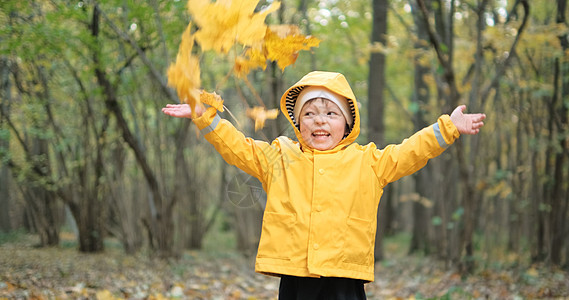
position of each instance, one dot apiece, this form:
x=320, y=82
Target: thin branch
x=434, y=37
x=502, y=68
x=402, y=21
x=398, y=101
x=155, y=73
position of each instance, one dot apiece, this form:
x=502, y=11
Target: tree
x=5, y=194
x=376, y=86
x=441, y=38
x=420, y=98
x=560, y=115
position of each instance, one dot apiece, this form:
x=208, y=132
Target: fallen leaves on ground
x=63, y=273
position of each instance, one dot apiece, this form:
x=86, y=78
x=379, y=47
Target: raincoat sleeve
x=245, y=153
x=396, y=161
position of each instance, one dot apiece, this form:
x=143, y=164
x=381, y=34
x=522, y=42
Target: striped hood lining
x=292, y=96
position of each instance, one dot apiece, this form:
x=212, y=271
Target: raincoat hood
x=336, y=83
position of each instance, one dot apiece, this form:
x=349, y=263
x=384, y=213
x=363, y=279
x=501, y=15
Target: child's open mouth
x=320, y=133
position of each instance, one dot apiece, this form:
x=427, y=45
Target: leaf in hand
x=260, y=115
x=212, y=99
x=184, y=74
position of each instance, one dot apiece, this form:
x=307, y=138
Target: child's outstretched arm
x=252, y=156
x=467, y=123
x=182, y=110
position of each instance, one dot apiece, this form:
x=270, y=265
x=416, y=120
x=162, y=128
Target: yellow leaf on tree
x=283, y=42
x=226, y=22
x=260, y=115
x=184, y=74
x=212, y=99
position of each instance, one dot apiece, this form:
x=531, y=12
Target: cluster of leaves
x=31, y=273
x=63, y=273
x=227, y=25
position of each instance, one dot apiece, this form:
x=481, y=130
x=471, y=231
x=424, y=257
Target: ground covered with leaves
x=27, y=272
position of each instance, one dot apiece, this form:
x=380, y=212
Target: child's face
x=322, y=124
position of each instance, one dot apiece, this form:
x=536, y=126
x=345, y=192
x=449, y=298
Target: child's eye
x=308, y=113
x=332, y=113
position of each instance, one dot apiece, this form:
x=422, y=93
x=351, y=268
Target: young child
x=323, y=190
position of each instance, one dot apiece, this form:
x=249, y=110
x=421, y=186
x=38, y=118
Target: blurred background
x=89, y=161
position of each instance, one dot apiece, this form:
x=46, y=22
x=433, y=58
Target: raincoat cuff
x=445, y=131
x=208, y=121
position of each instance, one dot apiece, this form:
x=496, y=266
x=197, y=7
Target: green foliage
x=457, y=215
x=436, y=221
x=12, y=236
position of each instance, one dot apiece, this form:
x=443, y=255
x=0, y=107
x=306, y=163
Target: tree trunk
x=376, y=85
x=160, y=222
x=47, y=213
x=559, y=203
x=40, y=192
x=421, y=96
x=5, y=182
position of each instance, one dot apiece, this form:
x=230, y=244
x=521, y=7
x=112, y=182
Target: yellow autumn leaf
x=212, y=99
x=532, y=272
x=251, y=59
x=283, y=42
x=226, y=22
x=105, y=295
x=260, y=115
x=158, y=296
x=184, y=74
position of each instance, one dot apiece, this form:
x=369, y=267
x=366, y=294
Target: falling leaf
x=225, y=22
x=252, y=59
x=184, y=74
x=212, y=99
x=283, y=42
x=260, y=115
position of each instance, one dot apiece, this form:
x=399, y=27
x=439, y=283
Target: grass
x=12, y=236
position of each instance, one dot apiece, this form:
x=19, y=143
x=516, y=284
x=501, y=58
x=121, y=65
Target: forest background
x=87, y=154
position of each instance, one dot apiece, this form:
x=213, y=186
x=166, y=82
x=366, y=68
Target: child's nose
x=320, y=118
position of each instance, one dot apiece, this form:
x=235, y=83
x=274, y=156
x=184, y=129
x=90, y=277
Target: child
x=323, y=191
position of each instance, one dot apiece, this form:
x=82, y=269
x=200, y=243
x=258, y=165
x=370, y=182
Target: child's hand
x=467, y=123
x=182, y=110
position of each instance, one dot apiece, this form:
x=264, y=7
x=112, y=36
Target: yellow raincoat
x=320, y=218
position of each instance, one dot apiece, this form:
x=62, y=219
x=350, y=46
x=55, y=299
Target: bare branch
x=512, y=53
x=155, y=73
